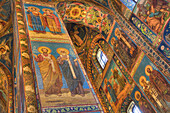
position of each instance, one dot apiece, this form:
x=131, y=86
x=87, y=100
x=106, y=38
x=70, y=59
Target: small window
x=132, y=108
x=101, y=57
x=135, y=1
x=135, y=109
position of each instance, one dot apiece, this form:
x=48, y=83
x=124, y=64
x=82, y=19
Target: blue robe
x=37, y=25
x=71, y=82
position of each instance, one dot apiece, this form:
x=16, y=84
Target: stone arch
x=92, y=53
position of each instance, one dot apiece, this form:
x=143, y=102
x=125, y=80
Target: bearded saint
x=50, y=72
x=71, y=72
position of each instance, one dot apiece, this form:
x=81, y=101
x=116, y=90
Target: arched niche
x=6, y=90
x=98, y=42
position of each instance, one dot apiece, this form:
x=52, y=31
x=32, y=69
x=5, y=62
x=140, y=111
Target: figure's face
x=138, y=96
x=33, y=9
x=63, y=53
x=44, y=50
x=143, y=82
x=48, y=12
x=148, y=70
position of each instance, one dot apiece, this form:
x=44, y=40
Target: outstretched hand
x=35, y=55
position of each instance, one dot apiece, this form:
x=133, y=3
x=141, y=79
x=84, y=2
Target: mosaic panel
x=121, y=43
x=149, y=79
x=58, y=70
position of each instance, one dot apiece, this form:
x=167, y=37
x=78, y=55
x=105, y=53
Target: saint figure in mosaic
x=35, y=19
x=52, y=21
x=71, y=72
x=50, y=71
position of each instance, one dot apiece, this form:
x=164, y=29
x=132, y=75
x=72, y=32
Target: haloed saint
x=50, y=71
x=71, y=72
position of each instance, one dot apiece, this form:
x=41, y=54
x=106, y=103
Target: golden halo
x=150, y=67
x=40, y=49
x=77, y=10
x=141, y=79
x=137, y=95
x=113, y=40
x=31, y=8
x=59, y=51
x=83, y=13
x=117, y=32
x=45, y=10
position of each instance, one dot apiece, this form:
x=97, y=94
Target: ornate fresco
x=132, y=54
x=84, y=56
x=6, y=57
x=58, y=71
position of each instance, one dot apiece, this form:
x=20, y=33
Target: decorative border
x=30, y=96
x=10, y=88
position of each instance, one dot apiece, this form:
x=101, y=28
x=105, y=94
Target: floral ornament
x=106, y=24
x=32, y=109
x=85, y=14
x=27, y=69
x=95, y=17
x=25, y=55
x=75, y=12
x=61, y=10
x=99, y=19
x=29, y=88
x=67, y=11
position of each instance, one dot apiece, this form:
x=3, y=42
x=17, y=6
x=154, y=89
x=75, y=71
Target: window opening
x=101, y=57
x=132, y=108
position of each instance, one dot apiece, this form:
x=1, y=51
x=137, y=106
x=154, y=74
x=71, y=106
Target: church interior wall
x=84, y=56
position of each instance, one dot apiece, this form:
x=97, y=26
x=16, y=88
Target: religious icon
x=127, y=44
x=110, y=92
x=153, y=94
x=35, y=20
x=154, y=13
x=51, y=21
x=145, y=107
x=50, y=71
x=159, y=82
x=76, y=38
x=71, y=71
x=122, y=44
